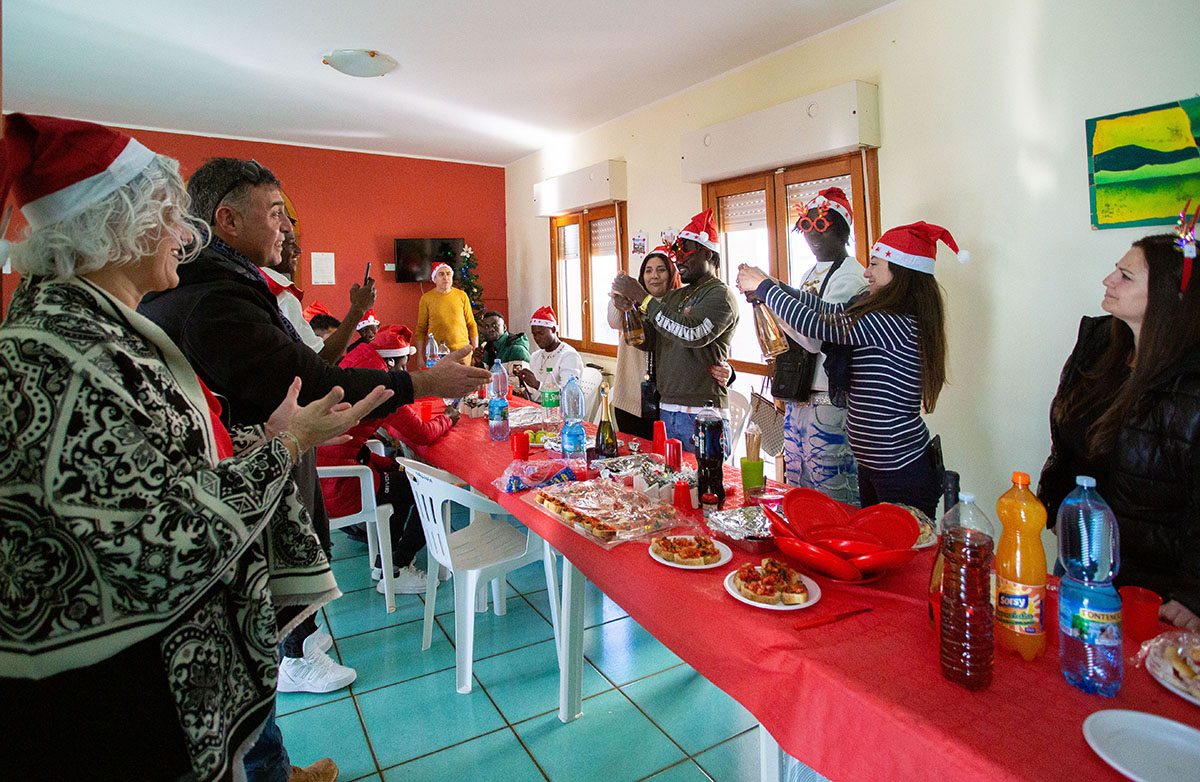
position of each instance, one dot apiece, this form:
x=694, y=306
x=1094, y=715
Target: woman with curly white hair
x=146, y=571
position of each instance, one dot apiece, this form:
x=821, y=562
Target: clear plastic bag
x=1173, y=658
x=522, y=475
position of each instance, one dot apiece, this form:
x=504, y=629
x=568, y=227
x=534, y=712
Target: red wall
x=354, y=204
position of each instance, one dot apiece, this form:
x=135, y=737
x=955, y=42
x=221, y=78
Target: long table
x=863, y=698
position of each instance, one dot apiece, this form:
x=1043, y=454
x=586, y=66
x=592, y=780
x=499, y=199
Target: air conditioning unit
x=602, y=183
x=831, y=122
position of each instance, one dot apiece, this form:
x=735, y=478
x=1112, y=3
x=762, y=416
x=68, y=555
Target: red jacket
x=342, y=496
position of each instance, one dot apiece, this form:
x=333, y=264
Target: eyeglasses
x=250, y=172
x=820, y=224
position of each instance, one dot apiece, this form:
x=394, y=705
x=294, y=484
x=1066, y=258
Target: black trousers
x=305, y=475
x=918, y=484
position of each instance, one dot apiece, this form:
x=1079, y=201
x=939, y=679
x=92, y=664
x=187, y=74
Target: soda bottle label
x=497, y=409
x=551, y=398
x=1019, y=606
x=1097, y=628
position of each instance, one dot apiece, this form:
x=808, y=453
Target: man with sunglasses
x=816, y=451
x=692, y=328
x=228, y=323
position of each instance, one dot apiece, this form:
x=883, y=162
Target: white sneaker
x=318, y=642
x=443, y=573
x=405, y=581
x=314, y=673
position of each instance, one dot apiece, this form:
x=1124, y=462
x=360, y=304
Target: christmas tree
x=466, y=279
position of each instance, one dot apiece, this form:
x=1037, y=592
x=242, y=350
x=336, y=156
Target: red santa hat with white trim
x=57, y=168
x=914, y=246
x=393, y=342
x=544, y=316
x=830, y=198
x=368, y=320
x=439, y=265
x=314, y=309
x=703, y=230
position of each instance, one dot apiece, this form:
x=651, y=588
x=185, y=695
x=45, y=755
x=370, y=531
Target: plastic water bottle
x=1089, y=608
x=443, y=351
x=431, y=351
x=551, y=400
x=498, y=403
x=574, y=439
x=967, y=616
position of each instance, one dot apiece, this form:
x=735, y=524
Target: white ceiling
x=484, y=81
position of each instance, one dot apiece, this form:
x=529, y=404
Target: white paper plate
x=725, y=551
x=1144, y=747
x=933, y=538
x=1155, y=663
x=814, y=594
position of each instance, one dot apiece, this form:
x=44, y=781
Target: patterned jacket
x=117, y=524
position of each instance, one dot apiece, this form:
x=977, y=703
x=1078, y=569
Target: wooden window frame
x=583, y=217
x=863, y=169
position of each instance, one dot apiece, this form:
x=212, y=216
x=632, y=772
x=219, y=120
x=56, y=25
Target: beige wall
x=982, y=106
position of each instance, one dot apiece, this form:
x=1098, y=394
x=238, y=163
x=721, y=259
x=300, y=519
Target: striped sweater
x=884, y=422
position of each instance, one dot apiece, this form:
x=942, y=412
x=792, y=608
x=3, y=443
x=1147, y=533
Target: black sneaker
x=357, y=533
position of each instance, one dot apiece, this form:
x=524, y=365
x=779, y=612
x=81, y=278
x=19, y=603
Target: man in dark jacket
x=499, y=343
x=228, y=324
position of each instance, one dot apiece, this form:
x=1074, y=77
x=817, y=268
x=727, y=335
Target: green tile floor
x=646, y=714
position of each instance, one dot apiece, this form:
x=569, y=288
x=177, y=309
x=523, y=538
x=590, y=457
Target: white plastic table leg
x=769, y=757
x=549, y=563
x=570, y=674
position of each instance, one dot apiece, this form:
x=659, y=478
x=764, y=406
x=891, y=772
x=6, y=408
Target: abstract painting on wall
x=1143, y=165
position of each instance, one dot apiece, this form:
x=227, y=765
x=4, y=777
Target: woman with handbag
x=899, y=360
x=635, y=396
x=816, y=451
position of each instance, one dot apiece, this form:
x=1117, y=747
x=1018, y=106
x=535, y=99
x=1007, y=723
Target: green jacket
x=510, y=347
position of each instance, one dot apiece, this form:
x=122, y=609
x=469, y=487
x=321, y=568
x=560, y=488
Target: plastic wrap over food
x=739, y=523
x=1174, y=659
x=606, y=510
x=646, y=473
x=522, y=475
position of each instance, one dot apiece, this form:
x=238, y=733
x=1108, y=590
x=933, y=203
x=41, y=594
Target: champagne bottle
x=606, y=433
x=766, y=328
x=631, y=327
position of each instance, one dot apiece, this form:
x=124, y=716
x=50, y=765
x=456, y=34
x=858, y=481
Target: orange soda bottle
x=1021, y=571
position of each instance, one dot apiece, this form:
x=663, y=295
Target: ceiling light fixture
x=360, y=62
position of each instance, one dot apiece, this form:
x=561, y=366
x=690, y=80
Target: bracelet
x=645, y=303
x=295, y=441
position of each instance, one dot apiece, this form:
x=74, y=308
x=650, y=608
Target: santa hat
x=393, y=342
x=544, y=316
x=363, y=356
x=316, y=308
x=57, y=168
x=662, y=250
x=703, y=229
x=439, y=265
x=830, y=198
x=915, y=246
x=368, y=320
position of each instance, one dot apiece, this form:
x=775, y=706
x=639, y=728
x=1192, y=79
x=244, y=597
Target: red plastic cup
x=426, y=411
x=1139, y=609
x=674, y=453
x=683, y=496
x=660, y=438
x=520, y=445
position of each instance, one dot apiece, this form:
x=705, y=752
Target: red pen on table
x=829, y=619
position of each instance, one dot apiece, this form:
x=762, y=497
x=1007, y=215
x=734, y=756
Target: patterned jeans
x=816, y=452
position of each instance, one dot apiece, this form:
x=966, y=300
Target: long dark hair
x=673, y=280
x=918, y=294
x=1170, y=327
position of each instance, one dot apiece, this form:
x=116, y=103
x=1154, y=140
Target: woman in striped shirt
x=897, y=332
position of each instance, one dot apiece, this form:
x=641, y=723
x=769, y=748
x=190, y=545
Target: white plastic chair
x=739, y=416
x=590, y=382
x=485, y=550
x=377, y=519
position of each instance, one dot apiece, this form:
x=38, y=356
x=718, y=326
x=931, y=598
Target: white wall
x=982, y=106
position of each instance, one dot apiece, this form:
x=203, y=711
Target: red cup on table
x=674, y=453
x=660, y=438
x=683, y=496
x=426, y=411
x=1139, y=609
x=520, y=445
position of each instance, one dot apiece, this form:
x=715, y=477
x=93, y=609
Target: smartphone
x=367, y=276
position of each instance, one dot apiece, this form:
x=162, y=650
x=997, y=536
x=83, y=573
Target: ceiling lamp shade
x=360, y=62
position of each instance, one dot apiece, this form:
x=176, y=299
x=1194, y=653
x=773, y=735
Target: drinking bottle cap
x=966, y=496
x=1086, y=481
x=1020, y=478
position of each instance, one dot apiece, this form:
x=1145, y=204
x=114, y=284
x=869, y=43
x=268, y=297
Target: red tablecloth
x=863, y=698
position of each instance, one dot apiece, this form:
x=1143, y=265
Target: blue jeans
x=816, y=452
x=267, y=760
x=917, y=484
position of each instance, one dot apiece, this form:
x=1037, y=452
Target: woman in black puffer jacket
x=1127, y=412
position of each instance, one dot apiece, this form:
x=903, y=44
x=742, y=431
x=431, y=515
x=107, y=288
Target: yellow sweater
x=447, y=316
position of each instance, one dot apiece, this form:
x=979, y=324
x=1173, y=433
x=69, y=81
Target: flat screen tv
x=415, y=258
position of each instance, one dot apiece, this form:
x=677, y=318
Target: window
x=587, y=250
x=755, y=217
